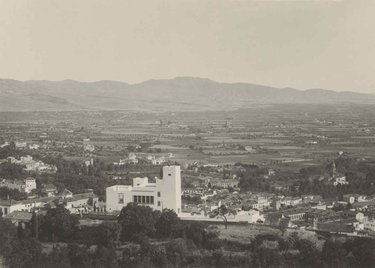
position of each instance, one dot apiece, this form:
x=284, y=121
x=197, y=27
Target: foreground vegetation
x=145, y=238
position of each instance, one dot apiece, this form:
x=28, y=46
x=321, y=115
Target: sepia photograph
x=187, y=133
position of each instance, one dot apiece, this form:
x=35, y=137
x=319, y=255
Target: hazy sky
x=301, y=44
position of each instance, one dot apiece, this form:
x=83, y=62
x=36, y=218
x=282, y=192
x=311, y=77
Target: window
x=140, y=199
x=5, y=211
x=158, y=203
x=121, y=198
x=158, y=194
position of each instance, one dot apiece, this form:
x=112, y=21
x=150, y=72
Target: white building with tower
x=164, y=193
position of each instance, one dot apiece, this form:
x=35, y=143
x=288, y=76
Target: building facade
x=164, y=193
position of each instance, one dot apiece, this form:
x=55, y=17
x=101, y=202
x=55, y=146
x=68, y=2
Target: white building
x=30, y=184
x=250, y=216
x=340, y=180
x=164, y=193
x=20, y=145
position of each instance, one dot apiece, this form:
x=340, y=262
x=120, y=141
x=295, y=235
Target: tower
x=334, y=170
x=169, y=189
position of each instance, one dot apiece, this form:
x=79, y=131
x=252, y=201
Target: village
x=240, y=177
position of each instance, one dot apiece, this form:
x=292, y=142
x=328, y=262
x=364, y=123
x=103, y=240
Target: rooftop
x=19, y=215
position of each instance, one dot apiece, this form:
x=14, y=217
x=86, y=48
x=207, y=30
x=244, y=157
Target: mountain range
x=178, y=94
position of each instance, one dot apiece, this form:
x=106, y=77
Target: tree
x=35, y=225
x=363, y=251
x=136, y=220
x=166, y=223
x=10, y=171
x=333, y=253
x=177, y=251
x=58, y=224
x=15, y=194
x=223, y=212
x=266, y=257
x=284, y=245
x=108, y=234
x=195, y=232
x=8, y=234
x=308, y=253
x=26, y=252
x=105, y=257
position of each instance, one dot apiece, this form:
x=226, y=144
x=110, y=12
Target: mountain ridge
x=179, y=93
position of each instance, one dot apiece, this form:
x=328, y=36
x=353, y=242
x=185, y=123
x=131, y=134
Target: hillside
x=181, y=93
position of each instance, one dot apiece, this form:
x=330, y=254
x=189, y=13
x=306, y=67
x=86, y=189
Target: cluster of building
x=21, y=211
x=352, y=215
x=164, y=193
x=24, y=186
x=133, y=159
x=29, y=164
x=22, y=145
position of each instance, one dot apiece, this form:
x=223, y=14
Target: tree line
x=142, y=237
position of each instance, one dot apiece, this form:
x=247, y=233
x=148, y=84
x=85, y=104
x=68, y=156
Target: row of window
x=141, y=199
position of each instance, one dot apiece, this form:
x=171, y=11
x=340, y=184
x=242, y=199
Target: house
x=340, y=180
x=19, y=217
x=66, y=194
x=291, y=201
x=260, y=202
x=250, y=216
x=89, y=162
x=49, y=190
x=81, y=202
x=336, y=178
x=30, y=184
x=34, y=146
x=311, y=198
x=164, y=193
x=8, y=206
x=351, y=198
x=369, y=224
x=315, y=216
x=158, y=161
x=295, y=214
x=20, y=145
x=75, y=203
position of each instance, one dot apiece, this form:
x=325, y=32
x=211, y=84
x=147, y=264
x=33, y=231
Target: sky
x=301, y=44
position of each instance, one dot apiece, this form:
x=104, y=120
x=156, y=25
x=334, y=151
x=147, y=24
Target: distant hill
x=181, y=93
